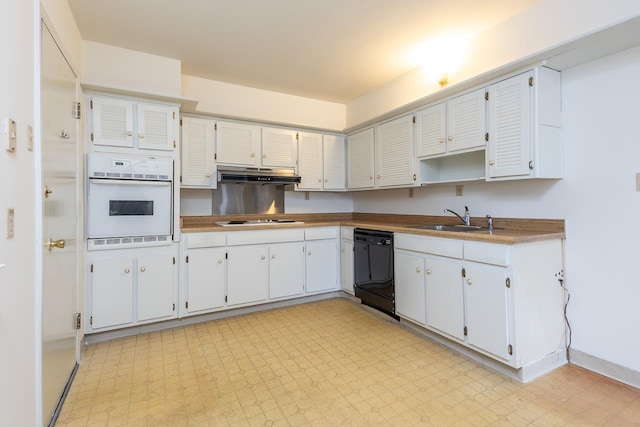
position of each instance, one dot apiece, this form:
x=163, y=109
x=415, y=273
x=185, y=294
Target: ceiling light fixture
x=441, y=56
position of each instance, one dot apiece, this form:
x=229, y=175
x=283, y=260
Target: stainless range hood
x=258, y=176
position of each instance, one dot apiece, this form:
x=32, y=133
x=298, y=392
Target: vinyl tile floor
x=326, y=363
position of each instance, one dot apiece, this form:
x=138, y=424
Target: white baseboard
x=606, y=368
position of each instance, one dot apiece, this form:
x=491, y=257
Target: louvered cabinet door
x=198, y=167
x=156, y=127
x=431, y=124
x=360, y=160
x=334, y=162
x=112, y=122
x=310, y=161
x=279, y=148
x=394, y=153
x=238, y=144
x=466, y=121
x=509, y=120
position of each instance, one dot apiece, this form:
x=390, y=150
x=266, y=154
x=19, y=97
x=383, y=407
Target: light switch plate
x=30, y=138
x=9, y=134
x=459, y=190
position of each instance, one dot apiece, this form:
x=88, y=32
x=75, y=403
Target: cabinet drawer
x=264, y=236
x=346, y=233
x=487, y=253
x=319, y=233
x=205, y=240
x=429, y=245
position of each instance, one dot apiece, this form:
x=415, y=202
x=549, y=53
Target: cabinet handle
x=428, y=271
x=252, y=155
x=129, y=133
x=469, y=282
x=126, y=271
x=262, y=257
x=440, y=140
x=417, y=269
x=491, y=162
x=219, y=261
x=273, y=256
x=141, y=135
x=450, y=138
x=143, y=269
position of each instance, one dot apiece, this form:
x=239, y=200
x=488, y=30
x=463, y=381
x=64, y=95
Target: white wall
x=546, y=25
x=224, y=99
x=597, y=198
x=129, y=69
x=17, y=171
x=61, y=23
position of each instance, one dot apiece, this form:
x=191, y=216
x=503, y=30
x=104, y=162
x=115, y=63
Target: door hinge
x=226, y=298
x=187, y=260
x=91, y=320
x=510, y=349
x=414, y=119
x=297, y=136
x=78, y=319
x=91, y=104
x=174, y=307
x=465, y=331
x=226, y=255
x=186, y=304
x=508, y=282
x=530, y=81
x=464, y=273
x=92, y=268
x=174, y=144
x=486, y=96
x=531, y=165
x=486, y=136
x=174, y=260
x=180, y=122
x=91, y=136
x=76, y=110
x=215, y=126
x=414, y=177
x=174, y=114
x=215, y=156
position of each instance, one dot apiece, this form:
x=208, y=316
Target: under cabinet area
x=503, y=301
x=130, y=287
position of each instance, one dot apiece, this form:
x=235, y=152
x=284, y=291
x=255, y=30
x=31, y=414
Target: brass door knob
x=47, y=191
x=55, y=244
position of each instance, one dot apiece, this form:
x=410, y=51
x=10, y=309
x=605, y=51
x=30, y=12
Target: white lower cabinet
x=321, y=259
x=286, y=270
x=247, y=274
x=503, y=301
x=346, y=260
x=410, y=286
x=204, y=280
x=131, y=286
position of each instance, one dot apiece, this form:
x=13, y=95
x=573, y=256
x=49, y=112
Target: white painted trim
x=606, y=368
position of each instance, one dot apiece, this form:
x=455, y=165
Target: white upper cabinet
x=238, y=144
x=128, y=123
x=321, y=162
x=310, y=164
x=279, y=148
x=456, y=125
x=395, y=153
x=360, y=160
x=155, y=127
x=524, y=126
x=198, y=147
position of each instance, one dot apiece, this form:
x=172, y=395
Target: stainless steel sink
x=459, y=228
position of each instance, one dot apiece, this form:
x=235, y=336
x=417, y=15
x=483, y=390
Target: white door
x=466, y=121
x=360, y=160
x=111, y=291
x=322, y=265
x=156, y=286
x=445, y=299
x=394, y=152
x=286, y=269
x=156, y=127
x=198, y=146
x=334, y=162
x=112, y=122
x=431, y=126
x=346, y=266
x=237, y=144
x=59, y=223
x=247, y=274
x=310, y=161
x=410, y=287
x=279, y=148
x=205, y=279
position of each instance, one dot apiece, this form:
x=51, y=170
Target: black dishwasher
x=373, y=269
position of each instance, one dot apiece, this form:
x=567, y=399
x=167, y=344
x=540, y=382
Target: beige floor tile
x=326, y=363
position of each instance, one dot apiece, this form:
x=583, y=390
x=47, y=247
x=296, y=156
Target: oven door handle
x=128, y=182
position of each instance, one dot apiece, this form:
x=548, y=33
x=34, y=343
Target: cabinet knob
x=273, y=256
x=469, y=282
x=491, y=162
x=141, y=135
x=326, y=180
x=252, y=155
x=264, y=156
x=143, y=269
x=370, y=177
x=262, y=257
x=208, y=175
x=378, y=176
x=319, y=180
x=450, y=138
x=219, y=261
x=126, y=271
x=129, y=133
x=309, y=253
x=440, y=140
x=428, y=271
x=417, y=269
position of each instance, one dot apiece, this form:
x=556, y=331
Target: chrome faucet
x=467, y=218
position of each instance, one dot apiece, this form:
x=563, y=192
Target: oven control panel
x=113, y=166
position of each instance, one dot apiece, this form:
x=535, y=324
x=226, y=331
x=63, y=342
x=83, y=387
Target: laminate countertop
x=506, y=230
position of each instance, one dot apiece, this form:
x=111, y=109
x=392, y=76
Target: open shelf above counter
x=469, y=166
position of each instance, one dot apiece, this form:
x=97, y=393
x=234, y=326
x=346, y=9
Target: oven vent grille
x=128, y=242
x=131, y=176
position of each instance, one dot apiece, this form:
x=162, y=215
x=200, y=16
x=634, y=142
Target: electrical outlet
x=411, y=193
x=306, y=195
x=10, y=221
x=459, y=189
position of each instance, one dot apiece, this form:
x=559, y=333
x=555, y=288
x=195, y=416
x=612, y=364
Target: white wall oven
x=129, y=201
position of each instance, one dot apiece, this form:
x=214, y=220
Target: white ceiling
x=334, y=50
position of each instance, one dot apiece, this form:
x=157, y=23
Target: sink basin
x=450, y=227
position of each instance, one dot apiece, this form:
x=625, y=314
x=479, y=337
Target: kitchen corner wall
x=598, y=199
